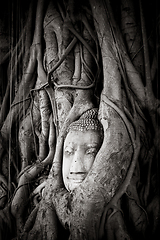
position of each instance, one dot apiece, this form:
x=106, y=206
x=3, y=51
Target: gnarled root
x=26, y=136
x=22, y=192
x=115, y=227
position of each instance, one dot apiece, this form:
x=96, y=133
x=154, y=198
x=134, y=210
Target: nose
x=77, y=165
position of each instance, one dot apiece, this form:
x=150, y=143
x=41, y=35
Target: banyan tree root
x=131, y=33
x=115, y=228
x=3, y=191
x=42, y=223
x=26, y=136
x=38, y=112
x=21, y=196
x=82, y=102
x=63, y=197
x=27, y=81
x=34, y=64
x=59, y=65
x=93, y=192
x=12, y=75
x=45, y=111
x=98, y=195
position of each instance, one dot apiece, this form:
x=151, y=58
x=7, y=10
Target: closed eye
x=68, y=151
x=91, y=151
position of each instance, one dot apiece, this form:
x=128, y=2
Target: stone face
x=80, y=149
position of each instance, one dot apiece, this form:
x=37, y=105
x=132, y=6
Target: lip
x=76, y=180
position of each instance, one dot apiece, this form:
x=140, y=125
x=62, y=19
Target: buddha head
x=83, y=141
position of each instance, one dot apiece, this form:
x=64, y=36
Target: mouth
x=76, y=179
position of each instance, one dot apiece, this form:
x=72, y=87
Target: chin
x=72, y=186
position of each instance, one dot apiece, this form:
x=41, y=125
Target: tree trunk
x=77, y=56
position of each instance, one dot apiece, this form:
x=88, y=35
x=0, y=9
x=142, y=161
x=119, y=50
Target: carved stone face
x=80, y=149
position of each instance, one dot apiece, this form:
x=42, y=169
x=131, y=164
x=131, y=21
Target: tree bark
x=81, y=56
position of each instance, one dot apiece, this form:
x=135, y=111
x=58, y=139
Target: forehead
x=84, y=137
